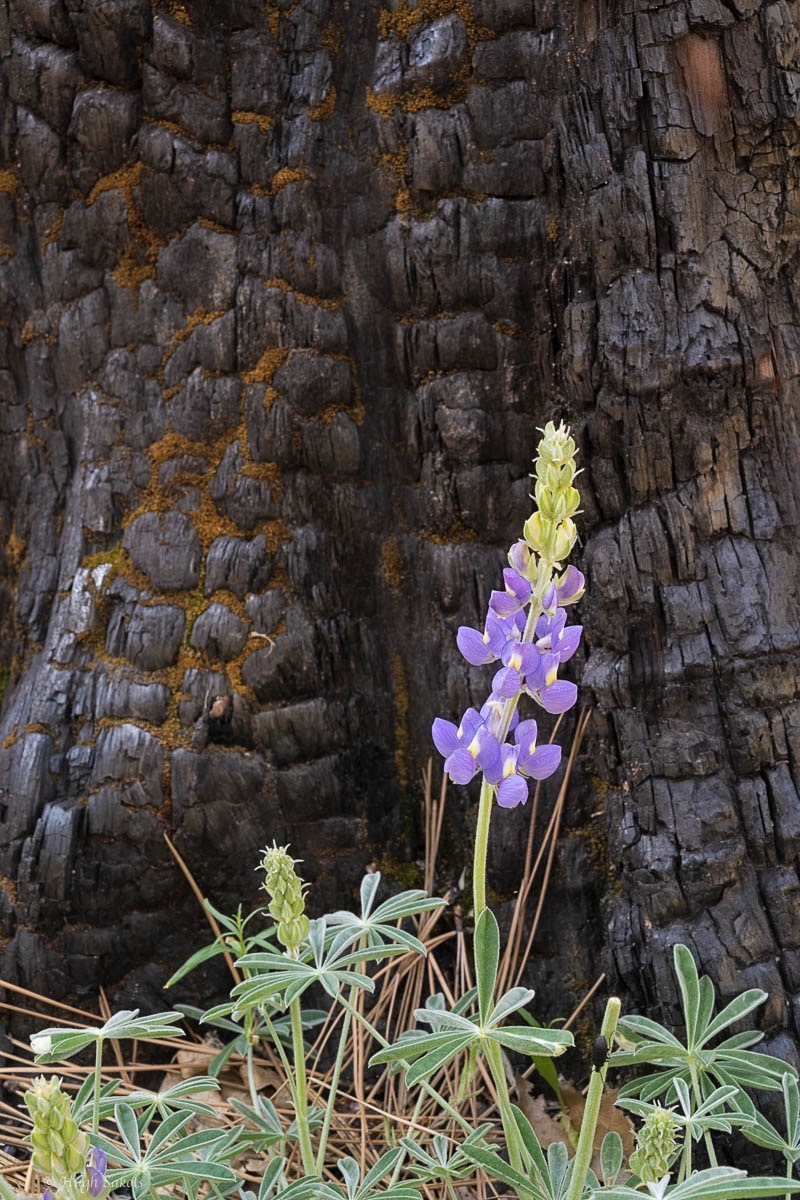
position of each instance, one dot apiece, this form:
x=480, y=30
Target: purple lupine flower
x=516, y=595
x=512, y=789
x=468, y=748
x=568, y=589
x=543, y=685
x=520, y=659
x=481, y=648
x=492, y=713
x=48, y=1194
x=96, y=1171
x=537, y=762
x=553, y=635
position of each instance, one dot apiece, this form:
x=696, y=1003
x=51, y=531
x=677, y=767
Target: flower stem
x=98, y=1068
x=337, y=1070
x=516, y=1152
x=299, y=1053
x=481, y=848
x=583, y=1155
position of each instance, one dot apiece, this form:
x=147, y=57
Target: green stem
x=583, y=1155
x=98, y=1070
x=686, y=1156
x=299, y=1054
x=698, y=1100
x=426, y=1087
x=287, y=1066
x=481, y=848
x=337, y=1070
x=251, y=1081
x=516, y=1149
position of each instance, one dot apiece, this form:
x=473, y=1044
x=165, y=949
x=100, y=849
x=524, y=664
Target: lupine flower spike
x=526, y=631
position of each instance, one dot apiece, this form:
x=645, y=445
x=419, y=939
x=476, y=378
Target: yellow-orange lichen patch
x=287, y=175
x=179, y=12
x=53, y=232
x=266, y=366
x=269, y=472
x=325, y=108
x=392, y=563
x=9, y=180
x=283, y=285
x=264, y=123
x=402, y=20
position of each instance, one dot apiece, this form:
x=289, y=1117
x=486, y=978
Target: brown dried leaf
x=544, y=1126
x=609, y=1118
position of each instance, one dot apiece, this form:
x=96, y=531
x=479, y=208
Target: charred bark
x=287, y=289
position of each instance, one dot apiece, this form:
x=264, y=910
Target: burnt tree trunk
x=287, y=288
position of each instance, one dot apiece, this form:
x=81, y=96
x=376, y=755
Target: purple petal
x=517, y=586
x=470, y=721
x=568, y=642
x=503, y=604
x=519, y=556
x=542, y=763
x=550, y=598
x=570, y=586
x=445, y=736
x=98, y=1160
x=558, y=697
x=48, y=1194
x=96, y=1181
x=472, y=645
x=497, y=632
x=512, y=791
x=507, y=683
x=461, y=766
x=488, y=749
x=525, y=736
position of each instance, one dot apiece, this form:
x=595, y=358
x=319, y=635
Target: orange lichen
x=287, y=175
x=403, y=19
x=392, y=563
x=283, y=285
x=53, y=232
x=263, y=122
x=9, y=180
x=266, y=366
x=179, y=12
x=325, y=108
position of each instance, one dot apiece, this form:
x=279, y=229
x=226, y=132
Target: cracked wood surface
x=286, y=290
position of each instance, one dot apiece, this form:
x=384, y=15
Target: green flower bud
x=287, y=904
x=549, y=532
x=655, y=1145
x=59, y=1148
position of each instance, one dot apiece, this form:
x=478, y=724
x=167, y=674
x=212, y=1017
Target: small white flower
x=659, y=1190
x=41, y=1043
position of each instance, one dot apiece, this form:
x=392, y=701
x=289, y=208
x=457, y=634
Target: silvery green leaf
x=369, y=888
x=611, y=1155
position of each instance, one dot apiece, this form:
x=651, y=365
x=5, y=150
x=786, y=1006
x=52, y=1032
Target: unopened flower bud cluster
x=656, y=1145
x=526, y=631
x=287, y=903
x=60, y=1150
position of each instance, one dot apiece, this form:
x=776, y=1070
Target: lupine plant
x=100, y=1140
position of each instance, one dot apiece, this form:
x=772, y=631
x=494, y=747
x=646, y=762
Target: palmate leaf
x=379, y=928
x=56, y=1043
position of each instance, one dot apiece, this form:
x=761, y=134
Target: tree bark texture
x=287, y=288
